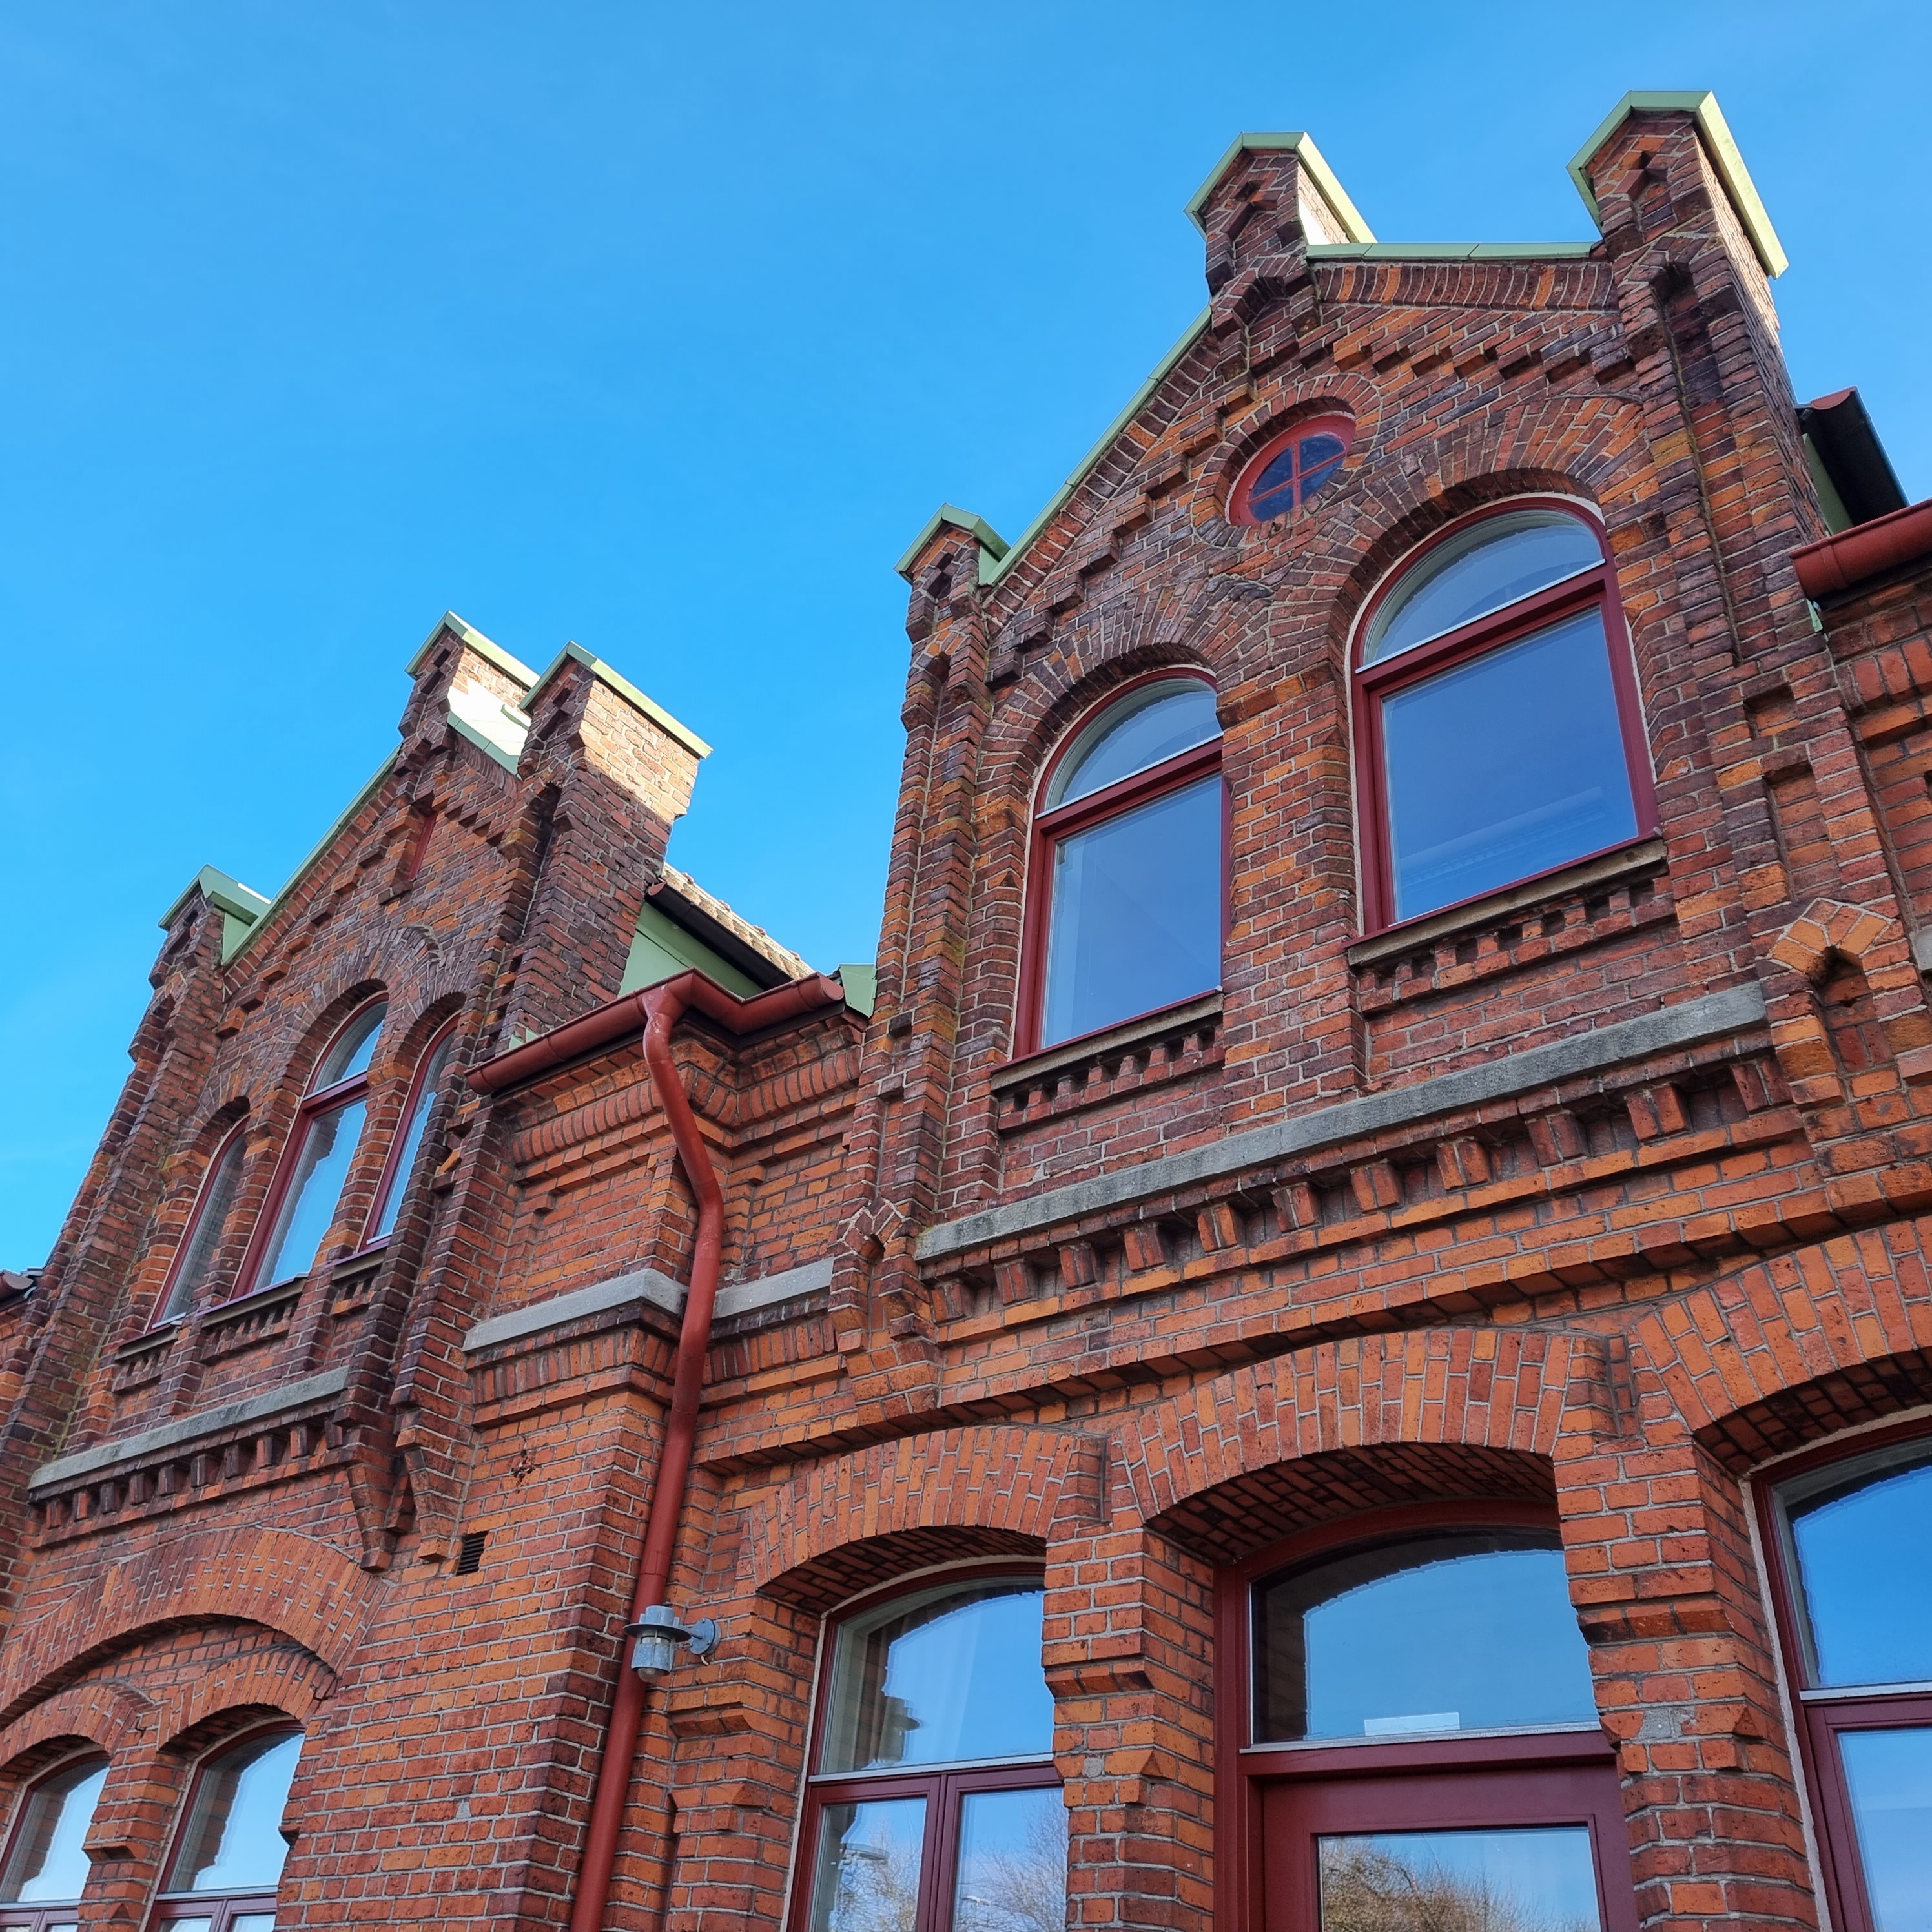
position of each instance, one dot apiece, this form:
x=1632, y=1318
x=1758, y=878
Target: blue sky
x=664, y=329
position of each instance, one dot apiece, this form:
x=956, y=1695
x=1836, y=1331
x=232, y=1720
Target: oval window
x=1290, y=469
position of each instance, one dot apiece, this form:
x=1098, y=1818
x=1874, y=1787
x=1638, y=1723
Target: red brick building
x=1342, y=1340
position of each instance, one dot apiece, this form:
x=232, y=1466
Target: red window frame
x=1372, y=683
x=1050, y=827
x=1529, y=1778
x=1240, y=509
x=943, y=1787
x=389, y=1178
x=323, y=1100
x=1821, y=1715
x=185, y=1246
x=40, y=1915
x=222, y=1907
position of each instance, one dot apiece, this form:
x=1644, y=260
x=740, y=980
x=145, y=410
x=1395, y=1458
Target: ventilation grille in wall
x=469, y=1552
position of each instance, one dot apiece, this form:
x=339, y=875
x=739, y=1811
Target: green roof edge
x=951, y=515
x=1725, y=157
x=615, y=681
x=230, y=953
x=1450, y=251
x=227, y=895
x=1332, y=191
x=485, y=647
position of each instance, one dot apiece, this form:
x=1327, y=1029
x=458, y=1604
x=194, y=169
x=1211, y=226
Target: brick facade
x=1591, y=1199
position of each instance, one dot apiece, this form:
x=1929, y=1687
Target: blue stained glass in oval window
x=1293, y=474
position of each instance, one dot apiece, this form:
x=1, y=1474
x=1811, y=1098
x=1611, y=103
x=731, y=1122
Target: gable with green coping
x=575, y=653
x=485, y=648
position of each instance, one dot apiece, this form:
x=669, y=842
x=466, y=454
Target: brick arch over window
x=103, y=1714
x=1355, y=1424
x=858, y=1520
x=1797, y=1348
x=293, y=1585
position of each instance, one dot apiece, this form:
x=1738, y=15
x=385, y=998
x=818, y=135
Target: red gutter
x=658, y=1009
x=1887, y=543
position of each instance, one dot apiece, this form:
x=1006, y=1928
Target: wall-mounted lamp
x=657, y=1637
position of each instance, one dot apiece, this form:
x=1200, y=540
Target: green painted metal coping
x=1725, y=158
x=1450, y=251
x=861, y=982
x=660, y=949
x=240, y=906
x=1319, y=171
x=615, y=681
x=485, y=648
x=950, y=516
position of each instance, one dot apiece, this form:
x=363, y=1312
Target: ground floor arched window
x=46, y=1863
x=1410, y=1736
x=933, y=1804
x=226, y=1858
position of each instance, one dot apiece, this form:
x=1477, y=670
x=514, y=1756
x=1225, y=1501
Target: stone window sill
x=1138, y=1053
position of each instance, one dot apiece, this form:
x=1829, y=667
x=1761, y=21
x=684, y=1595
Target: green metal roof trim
x=625, y=689
x=660, y=949
x=1724, y=156
x=1332, y=191
x=860, y=979
x=950, y=515
x=239, y=905
x=1451, y=251
x=485, y=647
x=239, y=945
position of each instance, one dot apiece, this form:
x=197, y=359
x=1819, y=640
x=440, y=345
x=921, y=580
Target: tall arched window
x=1497, y=718
x=47, y=1863
x=1421, y=1745
x=1126, y=892
x=201, y=1243
x=303, y=1200
x=934, y=1803
x=1851, y=1538
x=395, y=1181
x=228, y=1857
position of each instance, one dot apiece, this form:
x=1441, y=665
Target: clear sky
x=664, y=329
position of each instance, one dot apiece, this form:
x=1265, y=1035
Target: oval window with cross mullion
x=1288, y=471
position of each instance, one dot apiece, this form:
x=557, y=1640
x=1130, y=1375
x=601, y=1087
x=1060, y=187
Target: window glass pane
x=1863, y=1539
x=1485, y=569
x=1540, y=1879
x=412, y=1134
x=1136, y=914
x=233, y=1842
x=308, y=1208
x=352, y=1050
x=1157, y=723
x=950, y=1674
x=1504, y=767
x=46, y=1860
x=1012, y=1874
x=252, y=1921
x=204, y=1239
x=1890, y=1774
x=866, y=1874
x=1471, y=1632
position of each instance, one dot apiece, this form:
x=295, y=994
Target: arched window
x=395, y=1180
x=1496, y=714
x=1852, y=1544
x=46, y=1865
x=1127, y=893
x=1421, y=1732
x=228, y=1858
x=934, y=1802
x=303, y=1202
x=201, y=1243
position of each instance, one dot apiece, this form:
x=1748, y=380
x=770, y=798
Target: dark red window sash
x=1821, y=1716
x=389, y=1178
x=30, y=1917
x=192, y=1227
x=1373, y=683
x=1051, y=827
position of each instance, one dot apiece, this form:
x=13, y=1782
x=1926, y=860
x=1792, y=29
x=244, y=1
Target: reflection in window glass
x=1136, y=921
x=1012, y=1862
x=352, y=1049
x=1539, y=1878
x=204, y=1240
x=1471, y=1632
x=1493, y=565
x=308, y=1208
x=948, y=1676
x=1504, y=767
x=252, y=1921
x=1294, y=475
x=412, y=1134
x=47, y=1861
x=233, y=1842
x=1863, y=1539
x=1157, y=723
x=1890, y=1776
x=868, y=1867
